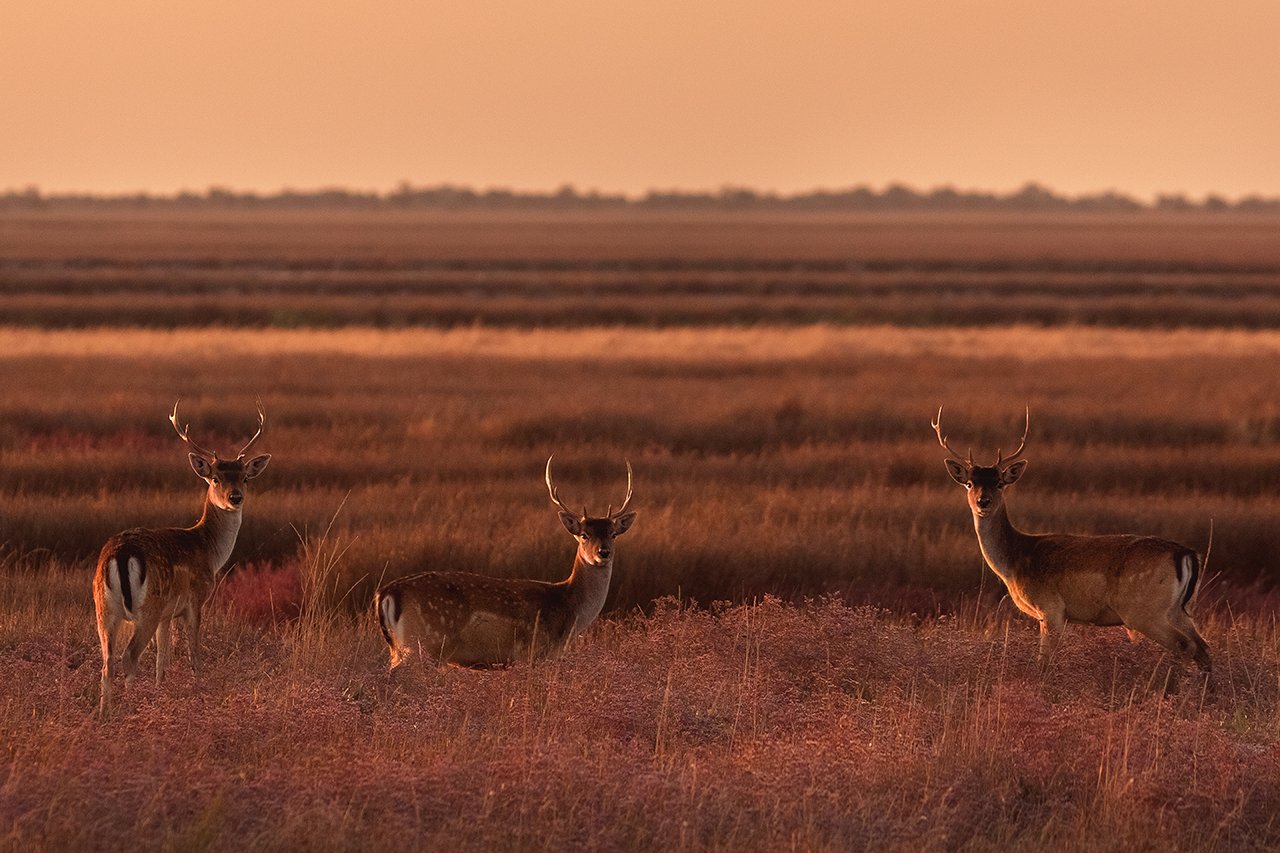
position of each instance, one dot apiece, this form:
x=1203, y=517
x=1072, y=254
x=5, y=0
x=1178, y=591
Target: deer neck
x=1002, y=544
x=217, y=530
x=588, y=588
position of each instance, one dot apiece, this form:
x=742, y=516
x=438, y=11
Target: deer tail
x=386, y=606
x=1191, y=566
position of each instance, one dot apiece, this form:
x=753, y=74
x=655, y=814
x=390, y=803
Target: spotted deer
x=148, y=577
x=1141, y=582
x=474, y=620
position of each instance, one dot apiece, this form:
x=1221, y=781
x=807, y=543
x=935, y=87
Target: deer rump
x=141, y=564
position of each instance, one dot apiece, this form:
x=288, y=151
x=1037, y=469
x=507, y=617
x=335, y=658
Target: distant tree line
x=1031, y=197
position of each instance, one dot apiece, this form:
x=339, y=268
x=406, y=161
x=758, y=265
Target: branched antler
x=609, y=513
x=1000, y=460
x=937, y=428
x=185, y=434
x=262, y=422
x=555, y=493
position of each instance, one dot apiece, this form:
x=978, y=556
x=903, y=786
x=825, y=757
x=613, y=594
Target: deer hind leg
x=164, y=647
x=110, y=629
x=144, y=629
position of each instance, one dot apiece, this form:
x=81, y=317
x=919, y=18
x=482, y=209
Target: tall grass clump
x=326, y=606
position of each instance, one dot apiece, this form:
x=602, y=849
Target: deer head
x=595, y=534
x=984, y=483
x=226, y=477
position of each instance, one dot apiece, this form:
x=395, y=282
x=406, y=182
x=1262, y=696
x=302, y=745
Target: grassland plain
x=411, y=268
x=776, y=465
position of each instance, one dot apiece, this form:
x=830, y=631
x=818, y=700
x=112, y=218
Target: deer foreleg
x=1052, y=625
x=193, y=638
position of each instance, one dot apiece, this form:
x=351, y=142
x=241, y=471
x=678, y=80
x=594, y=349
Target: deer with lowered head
x=473, y=620
x=1141, y=582
x=149, y=576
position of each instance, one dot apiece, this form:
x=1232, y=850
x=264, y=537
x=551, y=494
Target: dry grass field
x=801, y=650
x=393, y=269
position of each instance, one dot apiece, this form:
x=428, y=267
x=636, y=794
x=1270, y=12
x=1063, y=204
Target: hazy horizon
x=1142, y=99
x=604, y=192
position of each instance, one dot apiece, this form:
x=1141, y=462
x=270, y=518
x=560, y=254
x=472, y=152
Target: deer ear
x=623, y=523
x=1010, y=475
x=571, y=523
x=200, y=465
x=958, y=472
x=256, y=466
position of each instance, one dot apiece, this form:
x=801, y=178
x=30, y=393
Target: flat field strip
x=527, y=269
x=759, y=437
x=761, y=344
x=354, y=238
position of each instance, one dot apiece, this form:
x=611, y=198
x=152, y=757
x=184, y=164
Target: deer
x=477, y=621
x=1144, y=583
x=148, y=577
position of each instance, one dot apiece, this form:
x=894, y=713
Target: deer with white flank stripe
x=1141, y=582
x=148, y=577
x=477, y=621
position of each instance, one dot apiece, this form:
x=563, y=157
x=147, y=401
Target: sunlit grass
x=756, y=472
x=818, y=725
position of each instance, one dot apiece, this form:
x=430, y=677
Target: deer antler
x=610, y=513
x=1000, y=460
x=262, y=422
x=936, y=423
x=185, y=434
x=555, y=493
x=626, y=500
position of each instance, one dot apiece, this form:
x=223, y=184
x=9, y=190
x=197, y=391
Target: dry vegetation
x=788, y=461
x=763, y=727
x=403, y=268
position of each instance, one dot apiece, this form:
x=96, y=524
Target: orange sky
x=1139, y=96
